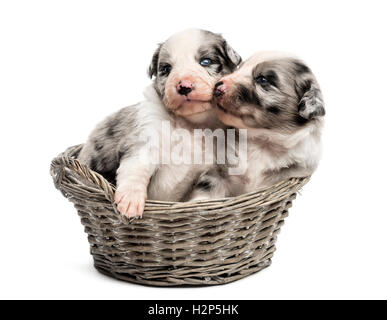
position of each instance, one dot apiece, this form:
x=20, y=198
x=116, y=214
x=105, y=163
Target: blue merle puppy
x=277, y=99
x=185, y=69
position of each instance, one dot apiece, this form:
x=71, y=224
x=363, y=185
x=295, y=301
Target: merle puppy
x=185, y=69
x=277, y=99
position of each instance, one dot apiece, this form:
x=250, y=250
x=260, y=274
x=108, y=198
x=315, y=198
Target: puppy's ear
x=311, y=103
x=234, y=59
x=152, y=70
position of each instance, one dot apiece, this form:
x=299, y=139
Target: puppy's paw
x=130, y=202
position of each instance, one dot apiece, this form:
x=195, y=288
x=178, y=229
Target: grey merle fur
x=290, y=98
x=115, y=138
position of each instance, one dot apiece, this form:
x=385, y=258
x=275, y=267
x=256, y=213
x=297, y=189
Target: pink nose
x=184, y=87
x=220, y=89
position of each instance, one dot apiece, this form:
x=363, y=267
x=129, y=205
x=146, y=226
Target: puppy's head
x=269, y=91
x=187, y=66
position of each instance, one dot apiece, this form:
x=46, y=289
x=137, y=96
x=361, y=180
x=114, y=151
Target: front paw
x=130, y=202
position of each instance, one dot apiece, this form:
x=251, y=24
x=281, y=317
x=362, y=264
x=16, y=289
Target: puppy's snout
x=184, y=87
x=219, y=89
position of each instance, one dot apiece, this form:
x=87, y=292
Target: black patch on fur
x=219, y=54
x=230, y=63
x=273, y=109
x=300, y=121
x=122, y=152
x=272, y=77
x=105, y=162
x=152, y=70
x=120, y=155
x=109, y=176
x=204, y=185
x=222, y=52
x=111, y=131
x=247, y=96
x=301, y=106
x=216, y=55
x=302, y=88
x=98, y=146
x=307, y=86
x=112, y=127
x=319, y=112
x=99, y=167
x=93, y=164
x=301, y=68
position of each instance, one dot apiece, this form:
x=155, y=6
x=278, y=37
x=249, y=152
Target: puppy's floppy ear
x=311, y=104
x=152, y=70
x=232, y=57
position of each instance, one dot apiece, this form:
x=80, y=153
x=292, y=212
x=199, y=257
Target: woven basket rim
x=67, y=161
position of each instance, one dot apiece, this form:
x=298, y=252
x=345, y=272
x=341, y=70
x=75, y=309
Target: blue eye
x=261, y=80
x=205, y=62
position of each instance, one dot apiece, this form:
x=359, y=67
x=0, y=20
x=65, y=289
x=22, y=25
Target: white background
x=65, y=65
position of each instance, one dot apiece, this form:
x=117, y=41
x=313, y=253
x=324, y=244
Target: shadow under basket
x=198, y=243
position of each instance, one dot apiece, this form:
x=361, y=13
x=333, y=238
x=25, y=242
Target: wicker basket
x=200, y=243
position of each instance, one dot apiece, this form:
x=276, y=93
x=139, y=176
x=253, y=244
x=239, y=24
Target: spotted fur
x=277, y=99
x=114, y=148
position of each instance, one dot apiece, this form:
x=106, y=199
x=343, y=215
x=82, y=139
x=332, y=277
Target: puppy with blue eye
x=185, y=69
x=277, y=99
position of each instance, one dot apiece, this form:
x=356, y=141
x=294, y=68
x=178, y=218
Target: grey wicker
x=200, y=243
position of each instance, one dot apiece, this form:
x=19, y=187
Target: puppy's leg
x=133, y=177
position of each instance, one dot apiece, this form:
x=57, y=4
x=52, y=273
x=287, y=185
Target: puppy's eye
x=206, y=62
x=261, y=80
x=165, y=69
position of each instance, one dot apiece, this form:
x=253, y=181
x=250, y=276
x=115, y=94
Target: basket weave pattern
x=199, y=243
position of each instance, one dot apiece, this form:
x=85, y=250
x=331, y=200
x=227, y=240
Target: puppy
x=277, y=99
x=185, y=69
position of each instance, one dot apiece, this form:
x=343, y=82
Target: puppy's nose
x=219, y=89
x=185, y=87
